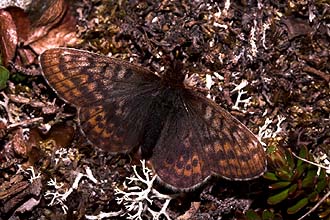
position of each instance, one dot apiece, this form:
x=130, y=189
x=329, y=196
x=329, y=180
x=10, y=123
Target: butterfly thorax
x=174, y=76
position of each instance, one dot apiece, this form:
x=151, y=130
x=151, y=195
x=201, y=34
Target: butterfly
x=121, y=106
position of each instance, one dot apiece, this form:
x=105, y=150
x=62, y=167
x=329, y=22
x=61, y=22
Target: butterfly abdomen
x=163, y=105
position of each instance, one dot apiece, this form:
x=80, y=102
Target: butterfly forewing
x=201, y=139
x=112, y=96
x=84, y=79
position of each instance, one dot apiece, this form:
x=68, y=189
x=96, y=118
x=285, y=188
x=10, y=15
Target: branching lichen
x=59, y=198
x=137, y=199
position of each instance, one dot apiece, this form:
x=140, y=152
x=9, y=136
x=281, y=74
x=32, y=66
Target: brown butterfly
x=121, y=106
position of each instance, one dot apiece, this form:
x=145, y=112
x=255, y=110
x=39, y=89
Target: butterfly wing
x=201, y=139
x=112, y=96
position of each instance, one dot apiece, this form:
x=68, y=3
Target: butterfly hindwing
x=202, y=139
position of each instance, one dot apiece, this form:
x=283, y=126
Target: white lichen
x=56, y=196
x=59, y=195
x=265, y=27
x=21, y=169
x=138, y=194
x=239, y=100
x=33, y=174
x=209, y=83
x=268, y=131
x=253, y=40
x=64, y=155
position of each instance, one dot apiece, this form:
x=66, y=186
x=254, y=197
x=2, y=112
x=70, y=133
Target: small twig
x=310, y=162
x=103, y=215
x=194, y=206
x=25, y=71
x=25, y=122
x=317, y=72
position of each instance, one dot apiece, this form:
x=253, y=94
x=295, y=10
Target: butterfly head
x=174, y=75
